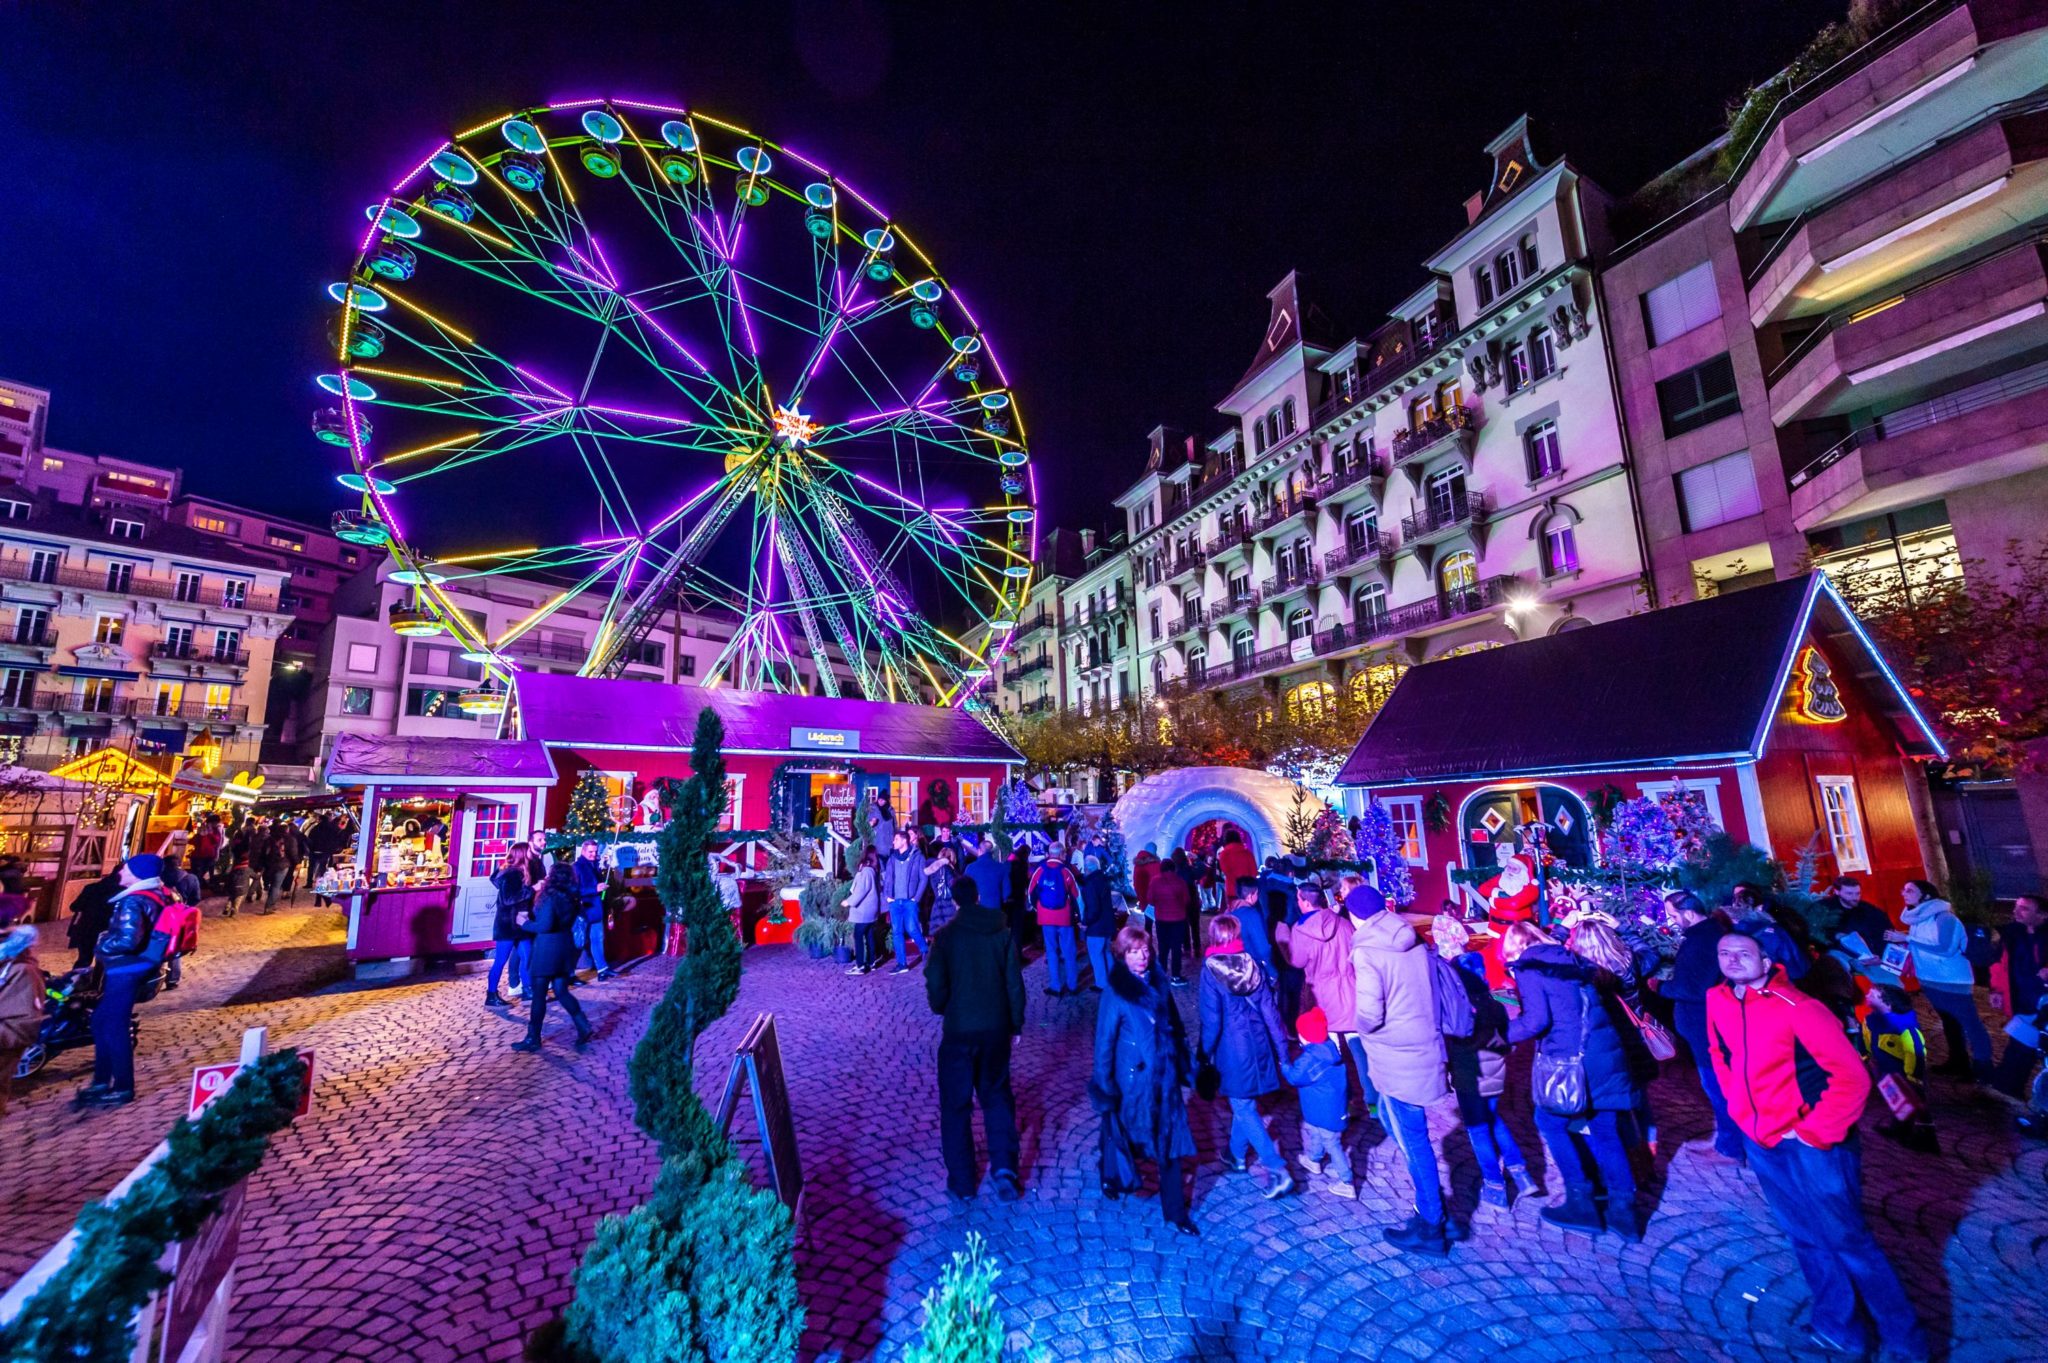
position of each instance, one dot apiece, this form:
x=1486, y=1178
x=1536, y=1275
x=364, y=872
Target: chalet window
x=1694, y=397
x=1844, y=823
x=1406, y=813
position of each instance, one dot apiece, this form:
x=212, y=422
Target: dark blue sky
x=1115, y=187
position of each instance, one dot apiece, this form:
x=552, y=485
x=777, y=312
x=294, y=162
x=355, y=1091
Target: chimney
x=1087, y=543
x=1472, y=207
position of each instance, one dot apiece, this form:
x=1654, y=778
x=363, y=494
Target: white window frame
x=1709, y=791
x=12, y=509
x=1408, y=809
x=123, y=528
x=1843, y=819
x=736, y=782
x=903, y=800
x=234, y=593
x=978, y=784
x=100, y=632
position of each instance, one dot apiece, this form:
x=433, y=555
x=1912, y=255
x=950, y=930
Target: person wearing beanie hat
x=1320, y=1080
x=21, y=1002
x=146, y=866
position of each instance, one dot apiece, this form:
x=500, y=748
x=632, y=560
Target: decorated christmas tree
x=1116, y=856
x=1379, y=842
x=1020, y=805
x=1300, y=826
x=590, y=814
x=1329, y=839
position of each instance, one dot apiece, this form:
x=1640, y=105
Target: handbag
x=1558, y=1083
x=579, y=932
x=1656, y=1036
x=1208, y=1079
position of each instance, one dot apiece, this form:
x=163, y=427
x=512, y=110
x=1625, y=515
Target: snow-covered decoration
x=1161, y=810
x=1380, y=843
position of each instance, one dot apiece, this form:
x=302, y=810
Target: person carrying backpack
x=1053, y=893
x=178, y=921
x=1398, y=1021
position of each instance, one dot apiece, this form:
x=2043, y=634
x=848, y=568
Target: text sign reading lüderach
x=803, y=738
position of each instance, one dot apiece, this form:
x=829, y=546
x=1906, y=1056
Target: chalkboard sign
x=758, y=1064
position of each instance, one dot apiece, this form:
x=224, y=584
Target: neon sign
x=1817, y=699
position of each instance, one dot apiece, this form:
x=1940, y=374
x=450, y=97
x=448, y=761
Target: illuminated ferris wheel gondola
x=655, y=359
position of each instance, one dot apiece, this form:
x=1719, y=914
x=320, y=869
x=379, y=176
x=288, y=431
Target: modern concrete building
x=1839, y=356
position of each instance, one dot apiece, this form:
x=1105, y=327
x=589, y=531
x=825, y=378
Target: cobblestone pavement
x=436, y=1205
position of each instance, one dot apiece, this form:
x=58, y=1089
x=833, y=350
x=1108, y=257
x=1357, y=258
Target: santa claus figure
x=1509, y=897
x=937, y=810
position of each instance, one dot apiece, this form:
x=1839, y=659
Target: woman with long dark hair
x=511, y=943
x=863, y=909
x=555, y=912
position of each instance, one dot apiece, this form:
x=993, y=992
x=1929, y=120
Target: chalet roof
x=593, y=712
x=384, y=759
x=1679, y=686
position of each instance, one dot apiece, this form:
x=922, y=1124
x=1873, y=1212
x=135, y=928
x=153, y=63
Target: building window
x=1514, y=366
x=187, y=587
x=1678, y=305
x=1198, y=661
x=973, y=799
x=903, y=800
x=362, y=657
x=1694, y=397
x=1287, y=416
x=226, y=644
x=1371, y=686
x=107, y=629
x=96, y=695
x=1154, y=615
x=234, y=593
x=686, y=664
x=177, y=641
x=1845, y=823
x=1446, y=490
x=1312, y=702
x=216, y=525
x=1539, y=444
x=1242, y=647
x=122, y=529
x=1369, y=604
x=430, y=702
x=30, y=625
x=1560, y=548
x=219, y=696
x=1507, y=271
x=351, y=557
x=17, y=688
x=1527, y=246
x=52, y=465
x=1459, y=572
x=1542, y=353
x=119, y=576
x=42, y=565
x=1482, y=284
x=11, y=510
x=1361, y=530
x=356, y=700
x=1406, y=813
x=1717, y=493
x=1300, y=625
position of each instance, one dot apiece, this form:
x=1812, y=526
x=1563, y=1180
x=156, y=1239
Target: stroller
x=68, y=1001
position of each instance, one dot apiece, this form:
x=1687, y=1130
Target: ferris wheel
x=656, y=361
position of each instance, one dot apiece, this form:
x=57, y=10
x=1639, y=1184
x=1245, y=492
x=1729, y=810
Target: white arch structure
x=1164, y=808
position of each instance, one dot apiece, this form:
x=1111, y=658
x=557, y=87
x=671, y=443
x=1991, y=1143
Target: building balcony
x=1449, y=607
x=193, y=712
x=1281, y=586
x=1190, y=622
x=1889, y=351
x=1232, y=540
x=1365, y=476
x=1349, y=394
x=1041, y=619
x=1236, y=606
x=1043, y=705
x=1376, y=551
x=1995, y=428
x=1085, y=613
x=1183, y=564
x=1935, y=72
x=1240, y=666
x=1026, y=667
x=164, y=650
x=1211, y=486
x=31, y=645
x=1282, y=515
x=21, y=568
x=1435, y=521
x=1455, y=429
x=70, y=703
x=1949, y=202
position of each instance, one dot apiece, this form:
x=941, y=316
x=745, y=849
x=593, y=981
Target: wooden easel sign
x=758, y=1064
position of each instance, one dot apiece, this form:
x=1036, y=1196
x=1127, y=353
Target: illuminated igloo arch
x=1164, y=808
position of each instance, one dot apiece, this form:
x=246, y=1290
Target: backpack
x=1981, y=947
x=1454, y=1015
x=1052, y=889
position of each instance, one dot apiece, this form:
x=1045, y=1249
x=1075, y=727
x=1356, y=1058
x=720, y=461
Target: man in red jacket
x=1796, y=1087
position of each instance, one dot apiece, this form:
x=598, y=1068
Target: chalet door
x=487, y=827
x=1568, y=826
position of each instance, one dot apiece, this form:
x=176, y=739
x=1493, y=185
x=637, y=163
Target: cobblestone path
x=436, y=1206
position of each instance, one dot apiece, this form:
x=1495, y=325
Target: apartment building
x=1097, y=610
x=122, y=627
x=1839, y=356
x=1031, y=679
x=1455, y=478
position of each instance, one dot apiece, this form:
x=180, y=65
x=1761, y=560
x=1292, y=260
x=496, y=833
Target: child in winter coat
x=1320, y=1080
x=1897, y=1051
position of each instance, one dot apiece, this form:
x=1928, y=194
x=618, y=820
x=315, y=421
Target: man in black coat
x=975, y=980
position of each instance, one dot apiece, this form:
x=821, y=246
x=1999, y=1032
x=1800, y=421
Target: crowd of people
x=1375, y=1017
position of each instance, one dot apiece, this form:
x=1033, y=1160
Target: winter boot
x=1418, y=1237
x=1575, y=1212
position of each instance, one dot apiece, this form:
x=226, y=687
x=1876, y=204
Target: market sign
x=839, y=800
x=803, y=738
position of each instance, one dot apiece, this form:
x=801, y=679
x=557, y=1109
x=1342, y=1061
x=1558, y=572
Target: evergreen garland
x=86, y=1311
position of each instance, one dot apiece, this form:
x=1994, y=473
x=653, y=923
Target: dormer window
x=1507, y=271
x=1527, y=246
x=12, y=510
x=122, y=529
x=1482, y=282
x=1426, y=329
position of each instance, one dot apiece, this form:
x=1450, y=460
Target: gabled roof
x=593, y=712
x=1681, y=686
x=415, y=760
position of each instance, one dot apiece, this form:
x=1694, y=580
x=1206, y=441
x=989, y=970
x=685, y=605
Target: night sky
x=1114, y=187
